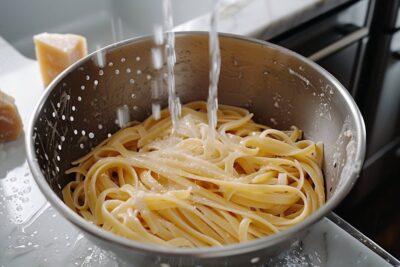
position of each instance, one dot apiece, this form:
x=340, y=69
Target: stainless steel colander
x=79, y=110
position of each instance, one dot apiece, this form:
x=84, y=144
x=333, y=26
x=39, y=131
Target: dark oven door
x=336, y=41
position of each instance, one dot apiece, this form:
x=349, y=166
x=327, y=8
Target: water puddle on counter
x=32, y=232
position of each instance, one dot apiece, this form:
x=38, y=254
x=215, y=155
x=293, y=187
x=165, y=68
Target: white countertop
x=256, y=18
x=32, y=233
x=261, y=18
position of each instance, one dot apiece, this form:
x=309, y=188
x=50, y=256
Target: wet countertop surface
x=32, y=233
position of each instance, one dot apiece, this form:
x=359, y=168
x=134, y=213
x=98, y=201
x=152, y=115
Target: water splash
x=215, y=68
x=174, y=103
x=157, y=63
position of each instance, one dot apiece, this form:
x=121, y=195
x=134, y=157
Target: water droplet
x=132, y=81
x=255, y=260
x=101, y=72
x=27, y=190
x=137, y=58
x=158, y=35
x=117, y=71
x=156, y=58
x=82, y=87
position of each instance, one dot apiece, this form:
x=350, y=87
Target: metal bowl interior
x=78, y=110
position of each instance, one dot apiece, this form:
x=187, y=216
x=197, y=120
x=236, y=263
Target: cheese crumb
x=10, y=121
x=55, y=52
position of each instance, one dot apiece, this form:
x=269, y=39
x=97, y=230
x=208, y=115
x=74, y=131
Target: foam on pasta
x=195, y=189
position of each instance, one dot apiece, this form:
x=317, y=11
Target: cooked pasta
x=198, y=187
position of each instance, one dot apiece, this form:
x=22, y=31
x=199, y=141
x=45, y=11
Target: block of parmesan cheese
x=10, y=121
x=55, y=52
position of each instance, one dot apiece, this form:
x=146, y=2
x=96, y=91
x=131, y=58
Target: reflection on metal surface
x=363, y=239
